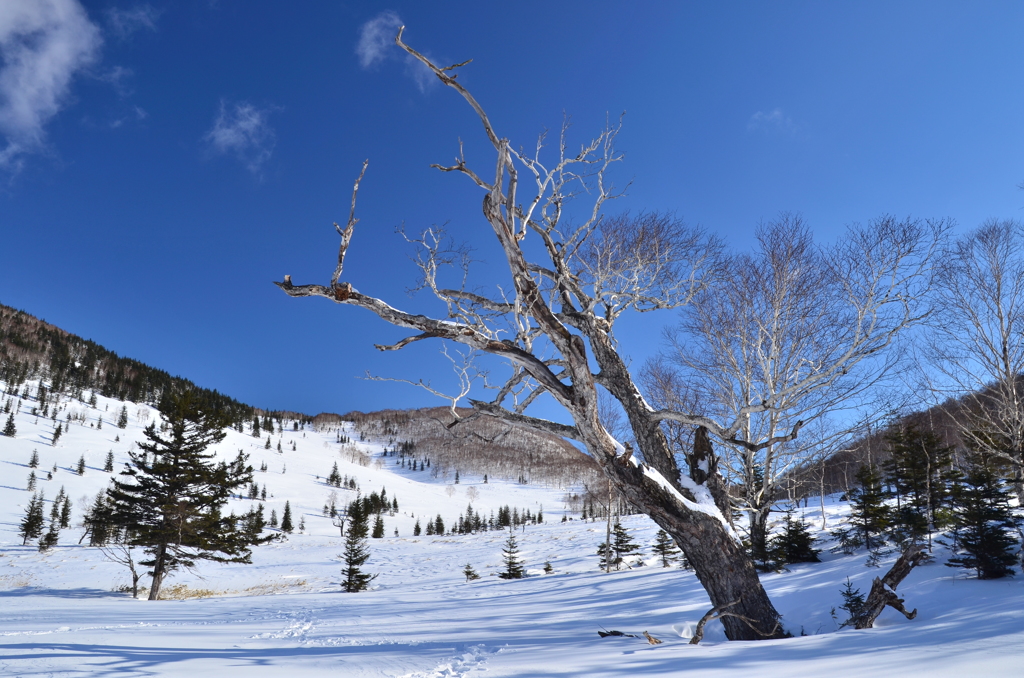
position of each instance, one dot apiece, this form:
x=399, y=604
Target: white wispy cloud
x=774, y=119
x=117, y=77
x=377, y=38
x=376, y=45
x=124, y=22
x=137, y=114
x=243, y=130
x=43, y=44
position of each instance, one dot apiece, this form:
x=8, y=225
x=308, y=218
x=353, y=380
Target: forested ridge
x=31, y=348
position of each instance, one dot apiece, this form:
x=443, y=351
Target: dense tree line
x=920, y=491
x=32, y=349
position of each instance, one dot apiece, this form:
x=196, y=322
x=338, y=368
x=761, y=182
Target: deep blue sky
x=163, y=162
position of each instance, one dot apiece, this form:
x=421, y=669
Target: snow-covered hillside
x=61, y=612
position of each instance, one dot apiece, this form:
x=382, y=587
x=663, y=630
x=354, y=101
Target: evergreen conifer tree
x=65, y=513
x=665, y=548
x=335, y=478
x=919, y=473
x=34, y=461
x=49, y=540
x=108, y=465
x=622, y=546
x=417, y=530
x=80, y=468
x=853, y=602
x=99, y=423
x=869, y=513
x=10, y=430
x=470, y=573
x=438, y=525
x=56, y=435
x=122, y=418
x=99, y=522
x=58, y=503
x=510, y=555
x=32, y=524
x=983, y=521
x=255, y=522
x=256, y=432
x=273, y=517
x=169, y=497
x=794, y=544
x=31, y=481
x=286, y=518
x=378, y=528
x=357, y=552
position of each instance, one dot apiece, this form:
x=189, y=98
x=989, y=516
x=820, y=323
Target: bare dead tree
x=120, y=550
x=883, y=589
x=791, y=335
x=554, y=320
x=976, y=341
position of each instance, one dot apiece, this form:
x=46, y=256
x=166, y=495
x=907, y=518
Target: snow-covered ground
x=62, y=615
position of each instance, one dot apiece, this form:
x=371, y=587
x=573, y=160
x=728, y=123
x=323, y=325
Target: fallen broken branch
x=883, y=591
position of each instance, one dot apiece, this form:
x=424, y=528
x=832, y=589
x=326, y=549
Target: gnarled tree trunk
x=555, y=321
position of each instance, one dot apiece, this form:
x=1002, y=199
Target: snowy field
x=61, y=613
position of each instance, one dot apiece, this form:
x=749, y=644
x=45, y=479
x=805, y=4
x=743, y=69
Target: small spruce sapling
x=357, y=552
x=853, y=602
x=32, y=524
x=470, y=573
x=49, y=540
x=10, y=430
x=665, y=548
x=794, y=544
x=286, y=519
x=510, y=555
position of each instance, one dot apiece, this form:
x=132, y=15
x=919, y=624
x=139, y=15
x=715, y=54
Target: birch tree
x=572, y=272
x=976, y=341
x=794, y=337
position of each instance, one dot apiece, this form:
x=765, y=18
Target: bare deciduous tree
x=977, y=340
x=572, y=273
x=791, y=335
